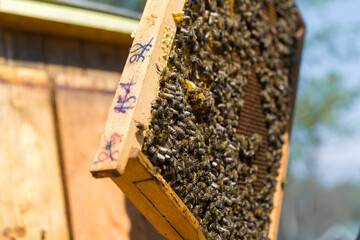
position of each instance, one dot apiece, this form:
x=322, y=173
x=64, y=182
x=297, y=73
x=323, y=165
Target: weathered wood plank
x=138, y=87
x=31, y=200
x=94, y=205
x=82, y=99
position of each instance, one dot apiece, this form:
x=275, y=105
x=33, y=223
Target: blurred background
x=60, y=62
x=322, y=195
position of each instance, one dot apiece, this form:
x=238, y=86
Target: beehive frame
x=119, y=155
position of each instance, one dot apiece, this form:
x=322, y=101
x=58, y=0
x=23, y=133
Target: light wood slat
x=278, y=195
x=23, y=76
x=95, y=204
x=31, y=192
x=138, y=87
x=151, y=194
x=281, y=178
x=82, y=99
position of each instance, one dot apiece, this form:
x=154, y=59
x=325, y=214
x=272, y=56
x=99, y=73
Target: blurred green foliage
x=319, y=105
x=316, y=2
x=326, y=93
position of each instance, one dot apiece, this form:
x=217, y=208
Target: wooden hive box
x=119, y=155
x=48, y=87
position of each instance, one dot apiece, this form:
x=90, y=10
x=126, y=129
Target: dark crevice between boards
x=154, y=206
x=52, y=93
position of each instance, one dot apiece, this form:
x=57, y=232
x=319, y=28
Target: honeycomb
x=217, y=124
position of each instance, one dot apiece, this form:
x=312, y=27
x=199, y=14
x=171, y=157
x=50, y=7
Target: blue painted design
x=123, y=101
x=139, y=50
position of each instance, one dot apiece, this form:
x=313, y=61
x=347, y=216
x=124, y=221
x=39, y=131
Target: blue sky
x=337, y=24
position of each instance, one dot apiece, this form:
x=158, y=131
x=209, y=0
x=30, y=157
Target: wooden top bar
x=138, y=87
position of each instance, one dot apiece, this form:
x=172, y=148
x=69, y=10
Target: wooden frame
x=151, y=194
x=281, y=178
x=119, y=155
x=32, y=202
x=45, y=78
x=138, y=84
x=138, y=87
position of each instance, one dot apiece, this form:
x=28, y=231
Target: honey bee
x=164, y=150
x=140, y=127
x=152, y=150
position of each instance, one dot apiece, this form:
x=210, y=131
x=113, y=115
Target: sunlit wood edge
x=281, y=178
x=55, y=19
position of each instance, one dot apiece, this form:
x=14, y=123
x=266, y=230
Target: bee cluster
x=194, y=138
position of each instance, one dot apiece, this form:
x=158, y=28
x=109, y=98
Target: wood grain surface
x=74, y=90
x=83, y=91
x=281, y=178
x=152, y=195
x=95, y=205
x=31, y=192
x=138, y=87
